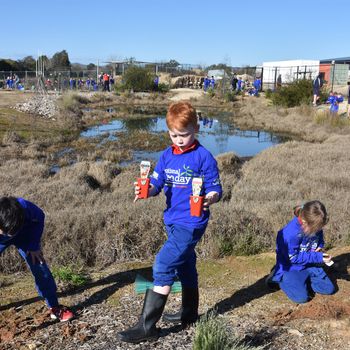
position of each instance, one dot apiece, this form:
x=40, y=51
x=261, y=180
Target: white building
x=290, y=70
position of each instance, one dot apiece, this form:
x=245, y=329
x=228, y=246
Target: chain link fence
x=190, y=76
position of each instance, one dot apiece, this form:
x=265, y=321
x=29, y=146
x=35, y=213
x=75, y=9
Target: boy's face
x=183, y=137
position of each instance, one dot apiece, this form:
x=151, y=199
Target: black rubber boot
x=145, y=328
x=188, y=313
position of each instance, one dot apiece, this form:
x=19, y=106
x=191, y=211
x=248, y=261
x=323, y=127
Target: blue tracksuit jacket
x=29, y=236
x=174, y=172
x=295, y=250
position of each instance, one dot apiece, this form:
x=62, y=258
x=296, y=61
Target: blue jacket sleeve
x=303, y=258
x=158, y=177
x=34, y=224
x=211, y=176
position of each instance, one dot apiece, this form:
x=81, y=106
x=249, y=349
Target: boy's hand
x=151, y=191
x=210, y=198
x=36, y=255
x=319, y=249
x=137, y=191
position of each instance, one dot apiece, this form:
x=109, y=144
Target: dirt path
x=185, y=94
x=233, y=286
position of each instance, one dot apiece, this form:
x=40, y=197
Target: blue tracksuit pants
x=44, y=281
x=177, y=257
x=297, y=284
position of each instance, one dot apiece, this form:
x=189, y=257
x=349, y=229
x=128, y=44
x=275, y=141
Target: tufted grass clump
x=212, y=333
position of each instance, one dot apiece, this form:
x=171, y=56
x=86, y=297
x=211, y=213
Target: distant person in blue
x=185, y=159
x=239, y=84
x=206, y=83
x=22, y=225
x=316, y=88
x=334, y=99
x=156, y=83
x=88, y=83
x=299, y=254
x=212, y=82
x=257, y=85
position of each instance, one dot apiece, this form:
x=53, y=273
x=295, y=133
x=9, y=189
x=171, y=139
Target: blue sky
x=189, y=31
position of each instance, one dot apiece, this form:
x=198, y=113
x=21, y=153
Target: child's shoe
x=61, y=313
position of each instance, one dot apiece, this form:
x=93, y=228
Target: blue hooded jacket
x=174, y=173
x=295, y=250
x=29, y=235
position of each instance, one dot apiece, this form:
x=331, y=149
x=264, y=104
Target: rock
x=43, y=105
x=295, y=332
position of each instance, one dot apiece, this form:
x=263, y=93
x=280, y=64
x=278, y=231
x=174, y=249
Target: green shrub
x=295, y=94
x=138, y=79
x=211, y=92
x=212, y=334
x=68, y=276
x=268, y=93
x=163, y=87
x=230, y=96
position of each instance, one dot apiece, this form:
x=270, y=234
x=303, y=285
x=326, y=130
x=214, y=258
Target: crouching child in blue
x=22, y=225
x=299, y=254
x=178, y=165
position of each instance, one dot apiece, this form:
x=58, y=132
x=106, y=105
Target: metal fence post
x=333, y=69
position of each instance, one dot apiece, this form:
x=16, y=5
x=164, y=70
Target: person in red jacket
x=105, y=82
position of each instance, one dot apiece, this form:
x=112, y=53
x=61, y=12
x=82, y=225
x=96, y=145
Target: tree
x=60, y=61
x=172, y=63
x=138, y=79
x=8, y=65
x=91, y=66
x=27, y=63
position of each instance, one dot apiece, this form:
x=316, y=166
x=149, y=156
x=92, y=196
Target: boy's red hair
x=180, y=115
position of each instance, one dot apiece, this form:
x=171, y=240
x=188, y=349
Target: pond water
x=217, y=134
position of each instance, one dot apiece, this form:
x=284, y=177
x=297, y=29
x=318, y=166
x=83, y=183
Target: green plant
x=67, y=275
x=295, y=94
x=212, y=334
x=268, y=93
x=163, y=87
x=138, y=79
x=230, y=96
x=211, y=92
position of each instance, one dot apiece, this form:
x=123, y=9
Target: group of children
x=208, y=83
x=334, y=99
x=299, y=244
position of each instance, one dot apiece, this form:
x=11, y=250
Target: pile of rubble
x=43, y=105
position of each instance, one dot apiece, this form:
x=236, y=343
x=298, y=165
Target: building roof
x=337, y=60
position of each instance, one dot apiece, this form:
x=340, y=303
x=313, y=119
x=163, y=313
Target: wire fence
x=191, y=76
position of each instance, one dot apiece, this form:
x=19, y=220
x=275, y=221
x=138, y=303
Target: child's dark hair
x=11, y=215
x=314, y=213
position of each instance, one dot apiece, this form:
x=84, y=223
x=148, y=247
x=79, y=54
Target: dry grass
x=92, y=220
x=304, y=121
x=96, y=226
x=289, y=174
x=89, y=227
